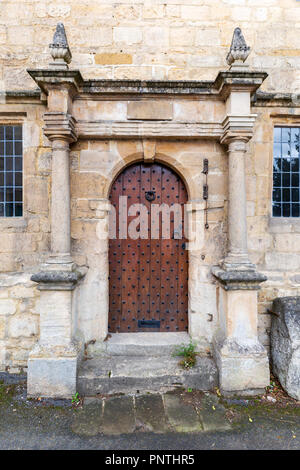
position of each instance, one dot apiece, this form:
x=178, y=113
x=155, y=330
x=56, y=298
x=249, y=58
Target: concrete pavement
x=174, y=421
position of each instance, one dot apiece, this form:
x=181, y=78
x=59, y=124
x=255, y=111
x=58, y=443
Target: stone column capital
x=237, y=144
x=60, y=126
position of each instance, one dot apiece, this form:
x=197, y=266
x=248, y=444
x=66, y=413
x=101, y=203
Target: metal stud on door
x=148, y=282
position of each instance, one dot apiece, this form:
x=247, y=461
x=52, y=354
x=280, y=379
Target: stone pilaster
x=60, y=130
x=242, y=361
x=52, y=364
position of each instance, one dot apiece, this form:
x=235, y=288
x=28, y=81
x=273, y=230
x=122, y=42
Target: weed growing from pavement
x=188, y=352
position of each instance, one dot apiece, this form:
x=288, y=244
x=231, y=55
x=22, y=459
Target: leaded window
x=11, y=171
x=286, y=200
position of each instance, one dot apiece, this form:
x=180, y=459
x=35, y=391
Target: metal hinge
x=205, y=166
x=205, y=190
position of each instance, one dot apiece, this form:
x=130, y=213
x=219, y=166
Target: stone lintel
x=59, y=125
x=238, y=279
x=57, y=280
x=148, y=130
x=147, y=87
x=221, y=87
x=248, y=80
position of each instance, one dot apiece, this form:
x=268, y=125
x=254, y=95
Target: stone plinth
x=242, y=361
x=285, y=343
x=52, y=364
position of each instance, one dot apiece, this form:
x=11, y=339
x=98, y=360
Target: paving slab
x=88, y=419
x=118, y=415
x=182, y=416
x=213, y=414
x=150, y=414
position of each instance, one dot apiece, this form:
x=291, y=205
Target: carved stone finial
x=59, y=48
x=239, y=51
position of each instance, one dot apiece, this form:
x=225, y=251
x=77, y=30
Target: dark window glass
x=9, y=163
x=277, y=134
x=18, y=148
x=277, y=165
x=18, y=164
x=11, y=167
x=286, y=194
x=9, y=133
x=286, y=180
x=277, y=180
x=295, y=210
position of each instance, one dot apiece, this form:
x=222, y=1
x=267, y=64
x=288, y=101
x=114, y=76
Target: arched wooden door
x=148, y=276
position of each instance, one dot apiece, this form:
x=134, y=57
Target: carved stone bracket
x=238, y=127
x=60, y=126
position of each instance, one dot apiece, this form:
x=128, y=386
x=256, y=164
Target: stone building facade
x=148, y=83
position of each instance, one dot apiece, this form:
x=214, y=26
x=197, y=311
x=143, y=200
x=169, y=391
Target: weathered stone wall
x=273, y=242
x=151, y=39
x=24, y=241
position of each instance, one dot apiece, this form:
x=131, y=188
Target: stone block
x=22, y=326
x=59, y=10
x=133, y=72
x=7, y=307
x=156, y=36
x=172, y=11
x=102, y=162
x=153, y=11
x=127, y=12
x=116, y=58
x=195, y=12
x=282, y=261
x=2, y=355
x=243, y=374
x=2, y=327
x=208, y=37
x=22, y=292
x=150, y=110
x=127, y=35
x=288, y=242
x=285, y=343
x=241, y=14
x=182, y=36
x=22, y=35
x=86, y=185
x=36, y=197
x=51, y=377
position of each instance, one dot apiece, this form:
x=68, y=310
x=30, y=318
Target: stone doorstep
x=131, y=374
x=158, y=413
x=145, y=344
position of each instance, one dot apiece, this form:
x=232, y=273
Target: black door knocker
x=150, y=195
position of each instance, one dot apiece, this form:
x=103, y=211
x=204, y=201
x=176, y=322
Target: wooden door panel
x=148, y=277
